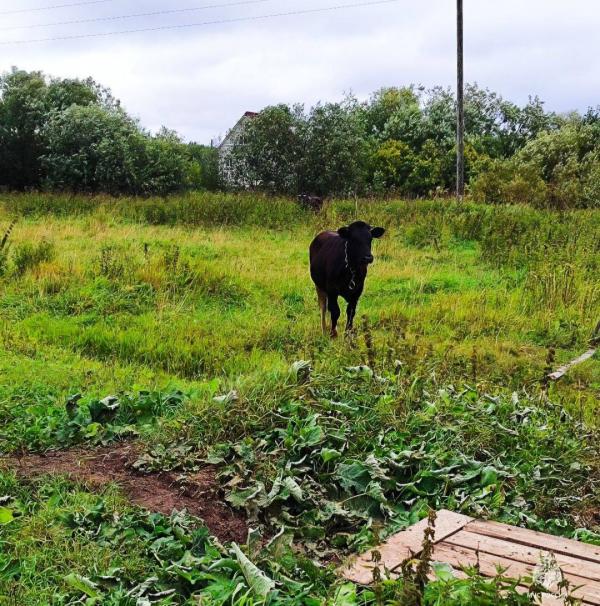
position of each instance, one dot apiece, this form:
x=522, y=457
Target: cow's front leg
x=351, y=312
x=334, y=310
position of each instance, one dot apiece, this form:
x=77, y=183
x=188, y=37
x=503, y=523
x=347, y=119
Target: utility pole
x=460, y=105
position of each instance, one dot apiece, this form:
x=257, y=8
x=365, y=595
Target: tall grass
x=192, y=209
x=210, y=285
x=464, y=308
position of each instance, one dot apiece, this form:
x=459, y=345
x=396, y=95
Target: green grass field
x=210, y=295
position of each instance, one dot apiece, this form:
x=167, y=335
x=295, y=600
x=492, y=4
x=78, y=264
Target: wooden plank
x=522, y=553
x=560, y=372
x=589, y=593
x=517, y=550
x=546, y=599
x=403, y=545
x=533, y=538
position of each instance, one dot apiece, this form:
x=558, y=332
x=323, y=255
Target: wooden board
x=589, y=592
x=583, y=551
x=403, y=545
x=462, y=541
x=521, y=553
x=563, y=370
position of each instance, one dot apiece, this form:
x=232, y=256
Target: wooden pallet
x=458, y=538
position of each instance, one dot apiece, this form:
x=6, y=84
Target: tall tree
x=23, y=110
x=335, y=154
x=269, y=151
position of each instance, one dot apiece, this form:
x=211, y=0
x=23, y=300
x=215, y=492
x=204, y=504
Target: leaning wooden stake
x=557, y=374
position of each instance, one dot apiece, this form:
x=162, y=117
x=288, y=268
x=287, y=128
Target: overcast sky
x=199, y=80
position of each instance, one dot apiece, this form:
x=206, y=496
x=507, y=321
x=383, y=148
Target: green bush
x=72, y=135
x=558, y=169
x=508, y=182
x=206, y=163
x=27, y=255
x=401, y=140
x=95, y=149
x=392, y=164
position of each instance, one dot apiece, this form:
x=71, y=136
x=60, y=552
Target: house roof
x=245, y=116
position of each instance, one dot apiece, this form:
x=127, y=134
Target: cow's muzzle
x=368, y=259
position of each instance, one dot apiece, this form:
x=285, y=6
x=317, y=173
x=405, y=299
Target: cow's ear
x=377, y=232
x=344, y=232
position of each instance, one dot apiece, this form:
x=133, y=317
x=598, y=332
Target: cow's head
x=358, y=237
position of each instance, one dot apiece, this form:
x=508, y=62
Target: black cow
x=338, y=267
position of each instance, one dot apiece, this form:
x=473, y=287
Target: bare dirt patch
x=162, y=492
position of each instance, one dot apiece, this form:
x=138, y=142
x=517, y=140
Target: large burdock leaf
x=358, y=474
x=6, y=515
x=443, y=571
x=246, y=496
x=83, y=584
x=345, y=595
x=228, y=398
x=330, y=454
x=294, y=488
x=257, y=580
x=301, y=371
x=363, y=372
x=376, y=468
x=103, y=411
x=353, y=476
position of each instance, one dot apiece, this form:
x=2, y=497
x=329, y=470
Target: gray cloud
x=199, y=80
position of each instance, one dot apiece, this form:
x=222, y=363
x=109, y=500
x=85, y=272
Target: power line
x=203, y=23
x=49, y=8
x=134, y=15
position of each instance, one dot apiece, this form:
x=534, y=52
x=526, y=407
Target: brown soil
x=161, y=492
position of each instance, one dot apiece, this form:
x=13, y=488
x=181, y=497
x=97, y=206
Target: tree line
x=73, y=135
x=402, y=142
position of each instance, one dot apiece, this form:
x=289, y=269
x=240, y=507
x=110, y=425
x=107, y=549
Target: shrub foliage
x=72, y=135
x=402, y=141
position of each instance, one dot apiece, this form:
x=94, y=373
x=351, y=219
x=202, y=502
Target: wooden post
x=460, y=107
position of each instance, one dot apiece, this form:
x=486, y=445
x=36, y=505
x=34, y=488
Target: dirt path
x=161, y=492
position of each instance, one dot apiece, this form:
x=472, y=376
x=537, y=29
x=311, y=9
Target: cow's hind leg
x=334, y=310
x=322, y=295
